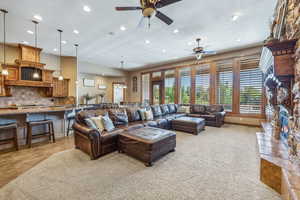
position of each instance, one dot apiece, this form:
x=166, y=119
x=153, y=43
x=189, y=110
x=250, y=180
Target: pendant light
x=122, y=67
x=60, y=77
x=77, y=82
x=4, y=71
x=36, y=75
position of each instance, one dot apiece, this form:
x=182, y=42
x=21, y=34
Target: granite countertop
x=38, y=109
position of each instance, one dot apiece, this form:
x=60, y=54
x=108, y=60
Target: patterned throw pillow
x=107, y=123
x=98, y=122
x=184, y=109
x=149, y=115
x=90, y=123
x=142, y=113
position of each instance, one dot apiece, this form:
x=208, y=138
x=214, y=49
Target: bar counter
x=58, y=114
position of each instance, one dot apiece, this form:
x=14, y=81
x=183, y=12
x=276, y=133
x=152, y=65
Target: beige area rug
x=221, y=163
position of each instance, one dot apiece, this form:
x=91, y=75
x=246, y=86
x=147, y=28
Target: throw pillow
x=149, y=115
x=142, y=113
x=98, y=122
x=107, y=123
x=90, y=123
x=184, y=109
x=133, y=114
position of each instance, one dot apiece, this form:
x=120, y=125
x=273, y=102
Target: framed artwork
x=134, y=84
x=88, y=83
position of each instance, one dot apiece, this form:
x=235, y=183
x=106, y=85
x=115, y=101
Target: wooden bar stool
x=14, y=134
x=31, y=124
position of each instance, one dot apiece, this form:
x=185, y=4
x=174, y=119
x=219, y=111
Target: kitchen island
x=58, y=114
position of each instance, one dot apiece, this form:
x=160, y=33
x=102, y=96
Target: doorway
x=157, y=92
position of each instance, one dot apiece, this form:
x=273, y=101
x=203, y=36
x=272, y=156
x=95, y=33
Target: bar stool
x=9, y=125
x=32, y=124
x=70, y=119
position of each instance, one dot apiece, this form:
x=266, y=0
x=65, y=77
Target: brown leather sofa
x=214, y=114
x=96, y=144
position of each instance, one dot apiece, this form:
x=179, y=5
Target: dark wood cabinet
x=60, y=88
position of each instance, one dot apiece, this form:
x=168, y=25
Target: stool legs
x=52, y=132
x=16, y=138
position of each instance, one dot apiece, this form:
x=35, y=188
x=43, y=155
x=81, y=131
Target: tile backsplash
x=26, y=96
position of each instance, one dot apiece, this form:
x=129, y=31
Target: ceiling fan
x=149, y=9
x=199, y=50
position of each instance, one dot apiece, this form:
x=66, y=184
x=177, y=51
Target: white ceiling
x=208, y=19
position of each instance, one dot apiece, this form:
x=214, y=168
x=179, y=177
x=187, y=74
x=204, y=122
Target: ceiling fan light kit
x=149, y=9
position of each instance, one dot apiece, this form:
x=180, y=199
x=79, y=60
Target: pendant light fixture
x=4, y=71
x=77, y=82
x=60, y=77
x=36, y=75
x=123, y=86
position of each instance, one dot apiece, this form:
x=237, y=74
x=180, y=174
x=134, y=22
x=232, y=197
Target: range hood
x=21, y=72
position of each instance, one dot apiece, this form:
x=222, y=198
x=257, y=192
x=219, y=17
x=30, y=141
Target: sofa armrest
x=88, y=132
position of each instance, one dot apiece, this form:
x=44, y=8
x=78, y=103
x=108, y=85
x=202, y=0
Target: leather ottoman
x=189, y=124
x=147, y=144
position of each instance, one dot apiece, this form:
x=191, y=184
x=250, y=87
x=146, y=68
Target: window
x=250, y=89
x=224, y=84
x=156, y=74
x=185, y=85
x=202, y=80
x=170, y=86
x=146, y=88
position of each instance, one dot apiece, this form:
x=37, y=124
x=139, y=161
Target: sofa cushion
x=209, y=117
x=107, y=123
x=214, y=108
x=156, y=110
x=178, y=115
x=198, y=109
x=172, y=108
x=133, y=114
x=118, y=116
x=164, y=109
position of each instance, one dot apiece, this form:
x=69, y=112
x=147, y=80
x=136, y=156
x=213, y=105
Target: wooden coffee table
x=147, y=144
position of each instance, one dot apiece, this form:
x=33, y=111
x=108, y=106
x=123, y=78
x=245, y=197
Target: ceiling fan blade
x=163, y=17
x=163, y=3
x=210, y=52
x=128, y=8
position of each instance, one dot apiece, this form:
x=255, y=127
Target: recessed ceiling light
x=55, y=49
x=176, y=31
x=86, y=8
x=25, y=42
x=76, y=31
x=64, y=42
x=147, y=41
x=238, y=40
x=122, y=28
x=164, y=51
x=235, y=17
x=38, y=17
x=30, y=32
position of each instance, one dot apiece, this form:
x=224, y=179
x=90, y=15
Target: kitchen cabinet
x=60, y=88
x=4, y=91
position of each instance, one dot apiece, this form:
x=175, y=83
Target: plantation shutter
x=146, y=88
x=170, y=86
x=250, y=86
x=224, y=84
x=185, y=85
x=202, y=81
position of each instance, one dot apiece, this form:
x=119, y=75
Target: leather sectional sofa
x=96, y=144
